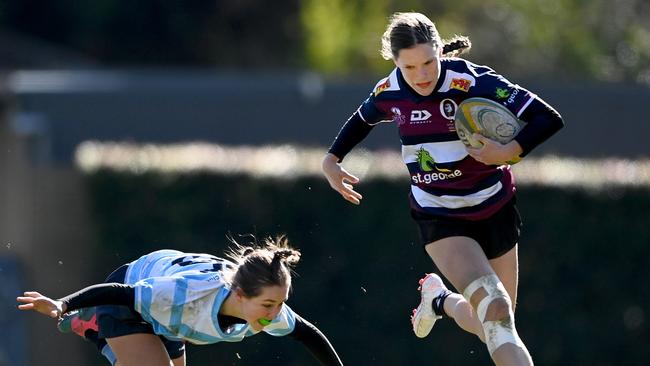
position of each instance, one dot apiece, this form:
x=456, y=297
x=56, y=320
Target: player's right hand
x=39, y=303
x=340, y=180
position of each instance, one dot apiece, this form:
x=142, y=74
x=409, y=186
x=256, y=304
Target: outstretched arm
x=102, y=294
x=352, y=132
x=33, y=300
x=340, y=180
x=316, y=342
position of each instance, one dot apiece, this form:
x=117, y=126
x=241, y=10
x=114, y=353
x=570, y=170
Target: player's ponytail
x=282, y=253
x=456, y=46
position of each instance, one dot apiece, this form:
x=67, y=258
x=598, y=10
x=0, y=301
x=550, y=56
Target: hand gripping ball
x=488, y=118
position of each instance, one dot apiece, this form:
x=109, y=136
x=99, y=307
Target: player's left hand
x=39, y=303
x=493, y=152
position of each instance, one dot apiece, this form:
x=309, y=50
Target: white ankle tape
x=497, y=332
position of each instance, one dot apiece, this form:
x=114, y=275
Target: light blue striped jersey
x=180, y=294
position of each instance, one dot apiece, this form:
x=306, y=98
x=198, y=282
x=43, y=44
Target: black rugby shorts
x=496, y=234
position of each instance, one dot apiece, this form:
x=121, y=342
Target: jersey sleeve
x=361, y=122
x=542, y=120
x=100, y=294
x=316, y=342
x=370, y=110
x=352, y=133
x=370, y=113
x=496, y=87
x=283, y=324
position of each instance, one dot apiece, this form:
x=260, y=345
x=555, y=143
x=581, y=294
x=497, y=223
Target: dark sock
x=439, y=302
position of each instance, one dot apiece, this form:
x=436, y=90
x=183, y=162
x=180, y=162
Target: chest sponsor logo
x=398, y=117
x=430, y=171
x=448, y=108
x=420, y=116
x=460, y=84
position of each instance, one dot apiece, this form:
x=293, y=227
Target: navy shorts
x=116, y=320
x=496, y=235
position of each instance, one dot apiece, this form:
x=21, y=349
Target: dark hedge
x=583, y=298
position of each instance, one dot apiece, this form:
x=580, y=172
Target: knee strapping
x=494, y=289
x=500, y=331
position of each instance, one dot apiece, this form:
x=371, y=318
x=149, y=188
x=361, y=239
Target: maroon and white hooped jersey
x=445, y=180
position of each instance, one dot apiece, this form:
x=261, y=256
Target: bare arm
x=352, y=132
x=33, y=300
x=340, y=180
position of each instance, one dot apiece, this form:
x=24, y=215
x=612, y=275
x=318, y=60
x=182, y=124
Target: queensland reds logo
x=460, y=84
x=397, y=116
x=383, y=86
x=448, y=108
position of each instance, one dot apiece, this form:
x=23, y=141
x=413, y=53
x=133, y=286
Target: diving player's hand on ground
x=493, y=152
x=340, y=180
x=42, y=304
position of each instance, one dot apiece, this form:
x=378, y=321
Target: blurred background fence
x=130, y=127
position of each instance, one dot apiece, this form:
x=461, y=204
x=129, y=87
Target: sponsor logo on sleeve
x=460, y=84
x=512, y=96
x=501, y=93
x=381, y=87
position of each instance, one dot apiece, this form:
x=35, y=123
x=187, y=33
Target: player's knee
x=499, y=309
x=489, y=297
x=494, y=310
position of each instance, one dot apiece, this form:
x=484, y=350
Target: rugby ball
x=488, y=118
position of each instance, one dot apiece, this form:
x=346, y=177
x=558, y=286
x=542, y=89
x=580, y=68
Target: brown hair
x=259, y=266
x=406, y=30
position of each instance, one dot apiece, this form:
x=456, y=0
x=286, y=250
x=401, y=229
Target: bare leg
x=463, y=314
x=462, y=261
x=179, y=361
x=507, y=268
x=139, y=350
x=456, y=306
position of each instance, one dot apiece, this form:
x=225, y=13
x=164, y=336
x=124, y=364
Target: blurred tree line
x=567, y=39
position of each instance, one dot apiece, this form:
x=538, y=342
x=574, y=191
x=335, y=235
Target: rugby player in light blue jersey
x=462, y=198
x=147, y=309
